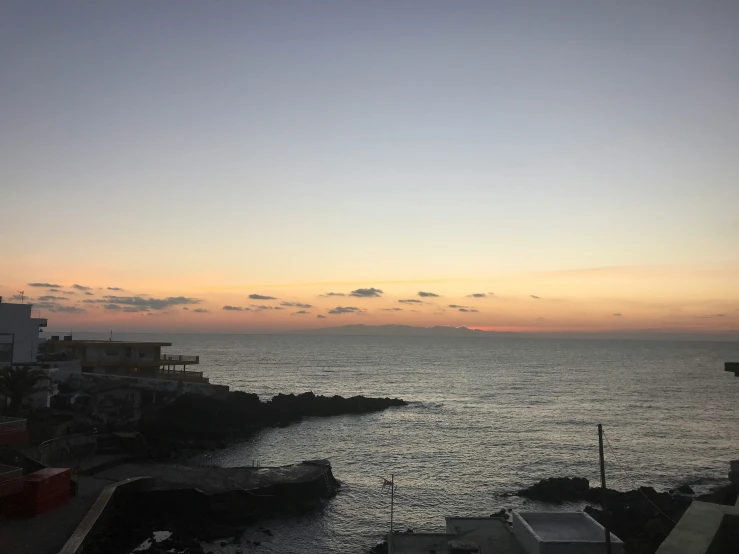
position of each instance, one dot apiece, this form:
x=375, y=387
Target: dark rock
x=724, y=494
x=265, y=531
x=558, y=489
x=685, y=489
x=500, y=513
x=195, y=421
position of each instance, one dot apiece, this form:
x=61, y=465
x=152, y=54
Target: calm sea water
x=487, y=416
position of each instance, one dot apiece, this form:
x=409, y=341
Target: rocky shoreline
x=641, y=518
x=194, y=421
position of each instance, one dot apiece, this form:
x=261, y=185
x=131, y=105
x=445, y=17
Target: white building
x=19, y=333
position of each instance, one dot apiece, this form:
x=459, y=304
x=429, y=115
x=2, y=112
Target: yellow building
x=127, y=358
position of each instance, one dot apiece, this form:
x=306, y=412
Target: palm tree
x=18, y=382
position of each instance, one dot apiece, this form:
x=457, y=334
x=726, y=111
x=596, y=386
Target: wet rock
x=685, y=489
x=558, y=489
x=194, y=421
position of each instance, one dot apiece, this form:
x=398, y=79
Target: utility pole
x=604, y=501
x=392, y=500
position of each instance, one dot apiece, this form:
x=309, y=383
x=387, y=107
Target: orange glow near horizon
x=608, y=300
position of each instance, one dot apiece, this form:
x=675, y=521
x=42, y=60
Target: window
x=111, y=352
x=6, y=352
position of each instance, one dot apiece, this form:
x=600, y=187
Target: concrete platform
x=211, y=480
x=47, y=532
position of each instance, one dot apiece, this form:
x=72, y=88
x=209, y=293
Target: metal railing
x=68, y=449
x=180, y=358
x=9, y=424
x=179, y=375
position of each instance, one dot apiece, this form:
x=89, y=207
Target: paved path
x=47, y=533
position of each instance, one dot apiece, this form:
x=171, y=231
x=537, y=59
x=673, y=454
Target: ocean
x=487, y=416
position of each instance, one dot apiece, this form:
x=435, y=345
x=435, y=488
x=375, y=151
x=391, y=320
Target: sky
x=536, y=166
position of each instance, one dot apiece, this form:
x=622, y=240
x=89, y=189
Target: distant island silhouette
x=402, y=330
x=449, y=331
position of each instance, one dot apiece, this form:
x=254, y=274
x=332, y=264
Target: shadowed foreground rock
x=202, y=422
x=195, y=504
x=637, y=517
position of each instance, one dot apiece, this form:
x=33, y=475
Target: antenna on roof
x=111, y=336
x=21, y=292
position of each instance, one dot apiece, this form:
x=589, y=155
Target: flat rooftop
x=553, y=527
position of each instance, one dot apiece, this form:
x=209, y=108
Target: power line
x=633, y=484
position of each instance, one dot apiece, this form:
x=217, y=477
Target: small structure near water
x=532, y=533
x=733, y=367
x=561, y=533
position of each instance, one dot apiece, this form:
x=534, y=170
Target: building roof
x=110, y=342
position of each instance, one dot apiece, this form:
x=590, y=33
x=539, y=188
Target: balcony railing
x=175, y=358
x=179, y=375
x=10, y=424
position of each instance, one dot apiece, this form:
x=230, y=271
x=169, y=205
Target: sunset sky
x=529, y=166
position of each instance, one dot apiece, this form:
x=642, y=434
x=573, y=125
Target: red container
x=23, y=508
x=16, y=436
x=46, y=482
x=43, y=490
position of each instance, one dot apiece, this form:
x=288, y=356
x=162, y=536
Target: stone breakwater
x=201, y=422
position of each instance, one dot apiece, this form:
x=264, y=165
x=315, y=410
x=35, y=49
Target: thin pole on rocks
x=604, y=502
x=391, y=485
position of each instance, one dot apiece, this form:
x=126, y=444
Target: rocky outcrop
x=558, y=489
x=641, y=518
x=202, y=422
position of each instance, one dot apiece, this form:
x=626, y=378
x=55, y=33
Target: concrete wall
x=702, y=530
x=102, y=521
x=16, y=319
x=525, y=534
x=86, y=381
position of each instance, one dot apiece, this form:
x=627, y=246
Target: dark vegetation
x=16, y=383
